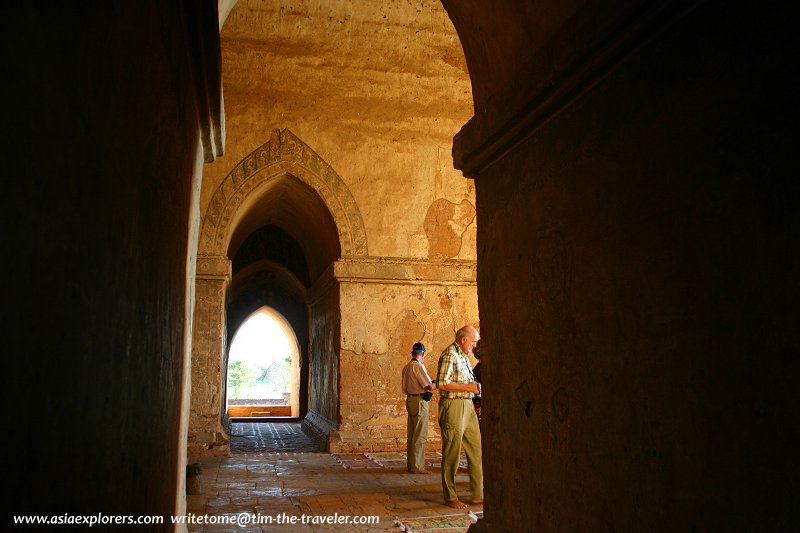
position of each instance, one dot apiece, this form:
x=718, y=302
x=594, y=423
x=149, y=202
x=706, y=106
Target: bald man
x=457, y=418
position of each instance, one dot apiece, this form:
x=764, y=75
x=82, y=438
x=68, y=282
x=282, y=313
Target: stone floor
x=275, y=473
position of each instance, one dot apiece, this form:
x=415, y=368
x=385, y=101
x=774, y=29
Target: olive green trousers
x=459, y=426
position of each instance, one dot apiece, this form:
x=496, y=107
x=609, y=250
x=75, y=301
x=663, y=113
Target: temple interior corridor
x=608, y=190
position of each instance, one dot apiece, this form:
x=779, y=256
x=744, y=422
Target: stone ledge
x=405, y=271
x=394, y=270
x=213, y=267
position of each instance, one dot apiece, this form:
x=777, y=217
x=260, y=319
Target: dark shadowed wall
x=638, y=280
x=101, y=137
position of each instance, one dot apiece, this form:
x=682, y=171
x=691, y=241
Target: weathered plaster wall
x=379, y=325
x=638, y=332
x=377, y=89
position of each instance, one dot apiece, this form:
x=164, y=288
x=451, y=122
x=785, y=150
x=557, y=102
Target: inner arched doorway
x=263, y=368
x=270, y=272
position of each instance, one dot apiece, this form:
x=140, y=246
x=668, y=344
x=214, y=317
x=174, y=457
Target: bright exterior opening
x=263, y=367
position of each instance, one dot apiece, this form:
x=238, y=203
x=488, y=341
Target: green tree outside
x=240, y=375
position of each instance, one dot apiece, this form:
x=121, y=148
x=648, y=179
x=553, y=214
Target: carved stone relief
x=282, y=155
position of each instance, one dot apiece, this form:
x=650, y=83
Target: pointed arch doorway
x=264, y=368
x=274, y=231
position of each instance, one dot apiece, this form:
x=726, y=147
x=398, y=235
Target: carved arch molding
x=284, y=154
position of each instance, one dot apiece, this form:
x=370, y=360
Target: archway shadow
x=270, y=437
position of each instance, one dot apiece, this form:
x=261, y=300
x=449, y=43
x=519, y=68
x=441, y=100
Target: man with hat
x=417, y=386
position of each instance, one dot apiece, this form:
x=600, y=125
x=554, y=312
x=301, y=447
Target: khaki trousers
x=417, y=432
x=459, y=426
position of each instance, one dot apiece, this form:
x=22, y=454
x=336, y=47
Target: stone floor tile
x=277, y=471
